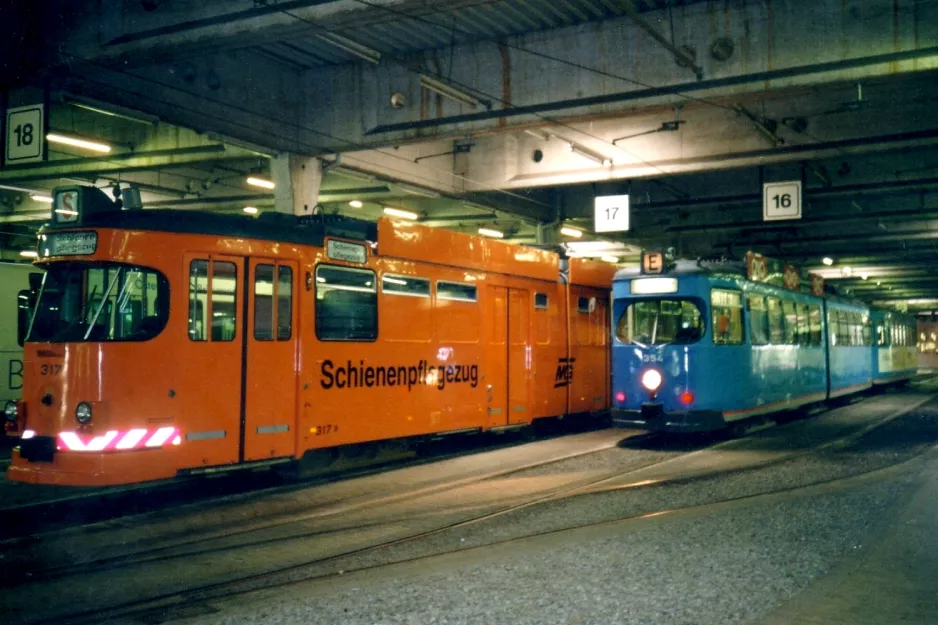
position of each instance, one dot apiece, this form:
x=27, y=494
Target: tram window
x=405, y=285
x=758, y=321
x=198, y=288
x=791, y=322
x=224, y=300
x=804, y=331
x=540, y=300
x=98, y=302
x=456, y=291
x=284, y=303
x=776, y=322
x=814, y=323
x=843, y=325
x=660, y=322
x=346, y=304
x=264, y=303
x=867, y=331
x=881, y=333
x=727, y=312
x=585, y=304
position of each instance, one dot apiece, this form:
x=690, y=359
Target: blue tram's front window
x=95, y=302
x=660, y=322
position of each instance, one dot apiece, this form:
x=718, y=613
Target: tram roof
x=396, y=239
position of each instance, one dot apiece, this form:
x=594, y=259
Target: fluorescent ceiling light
x=395, y=280
x=397, y=212
x=453, y=93
x=7, y=187
x=827, y=261
x=571, y=232
x=488, y=232
x=352, y=47
x=865, y=276
x=408, y=188
x=260, y=182
x=609, y=259
x=847, y=271
x=66, y=212
x=252, y=210
x=45, y=199
x=112, y=110
x=29, y=253
x=355, y=204
x=94, y=146
x=605, y=161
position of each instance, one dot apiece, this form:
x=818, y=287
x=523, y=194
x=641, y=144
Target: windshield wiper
x=104, y=297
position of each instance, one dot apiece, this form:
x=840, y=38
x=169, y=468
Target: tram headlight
x=651, y=380
x=83, y=413
x=11, y=411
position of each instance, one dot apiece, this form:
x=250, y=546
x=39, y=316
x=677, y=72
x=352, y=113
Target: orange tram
x=169, y=342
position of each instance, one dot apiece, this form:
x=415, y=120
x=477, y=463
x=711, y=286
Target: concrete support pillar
x=297, y=179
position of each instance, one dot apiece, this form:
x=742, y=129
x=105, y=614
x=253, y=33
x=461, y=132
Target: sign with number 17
x=611, y=213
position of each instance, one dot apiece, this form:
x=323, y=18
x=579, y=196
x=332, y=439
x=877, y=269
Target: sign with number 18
x=25, y=134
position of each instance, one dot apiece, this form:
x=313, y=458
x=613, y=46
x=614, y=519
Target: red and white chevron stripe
x=114, y=440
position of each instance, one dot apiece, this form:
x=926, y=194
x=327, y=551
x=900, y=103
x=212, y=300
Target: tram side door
x=207, y=373
x=271, y=363
x=496, y=357
x=519, y=356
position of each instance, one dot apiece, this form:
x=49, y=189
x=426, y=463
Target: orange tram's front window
x=98, y=302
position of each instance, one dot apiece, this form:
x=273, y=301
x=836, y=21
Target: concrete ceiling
x=514, y=113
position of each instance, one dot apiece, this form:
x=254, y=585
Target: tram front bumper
x=654, y=418
x=37, y=466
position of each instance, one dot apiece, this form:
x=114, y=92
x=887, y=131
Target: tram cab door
x=269, y=422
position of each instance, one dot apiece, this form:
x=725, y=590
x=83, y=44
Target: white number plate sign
x=781, y=200
x=611, y=213
x=24, y=134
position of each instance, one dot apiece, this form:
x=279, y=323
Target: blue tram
x=894, y=357
x=697, y=348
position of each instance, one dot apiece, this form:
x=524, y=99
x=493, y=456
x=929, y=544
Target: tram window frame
x=866, y=332
x=803, y=332
x=833, y=327
x=370, y=333
x=814, y=325
x=790, y=316
x=776, y=318
x=679, y=312
x=458, y=293
x=389, y=287
x=197, y=308
x=284, y=330
x=264, y=333
x=734, y=334
x=541, y=301
x=759, y=313
x=585, y=305
x=843, y=329
x=217, y=322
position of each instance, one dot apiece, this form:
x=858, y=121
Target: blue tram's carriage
x=697, y=348
x=894, y=357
